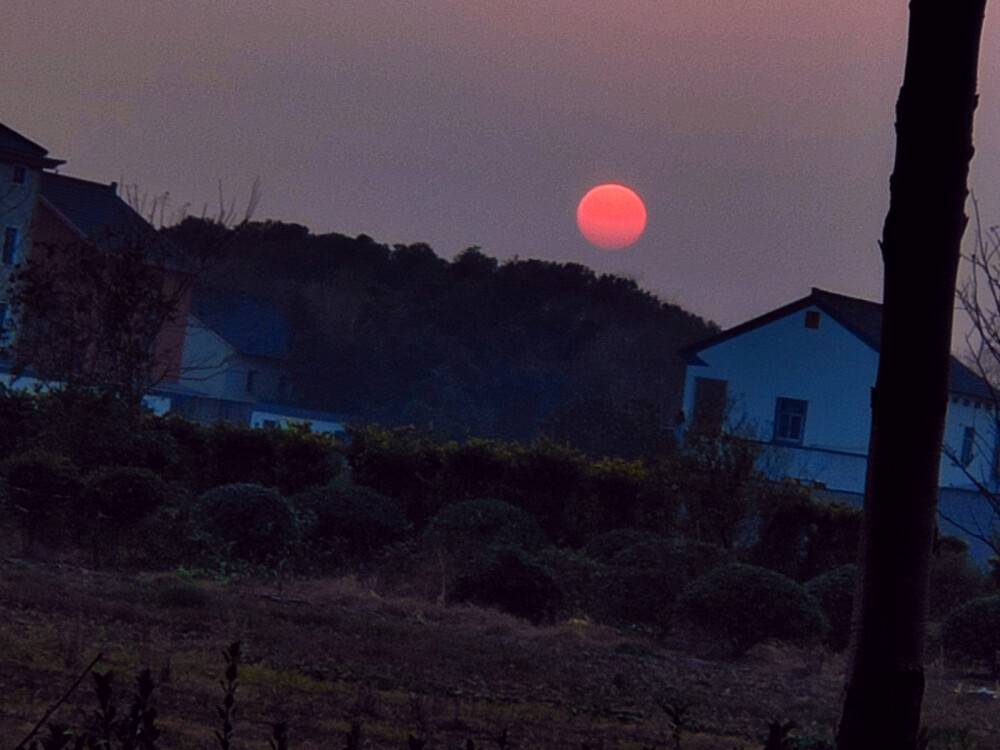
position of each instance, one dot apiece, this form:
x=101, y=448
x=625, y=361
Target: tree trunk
x=920, y=250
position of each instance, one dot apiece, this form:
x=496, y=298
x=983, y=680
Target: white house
x=799, y=379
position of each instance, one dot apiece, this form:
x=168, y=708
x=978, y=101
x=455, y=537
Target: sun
x=611, y=216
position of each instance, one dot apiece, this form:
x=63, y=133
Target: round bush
x=834, y=592
x=972, y=631
x=257, y=523
x=603, y=547
x=469, y=527
x=306, y=460
x=122, y=496
x=357, y=519
x=508, y=578
x=745, y=605
x=644, y=579
x=954, y=577
x=41, y=486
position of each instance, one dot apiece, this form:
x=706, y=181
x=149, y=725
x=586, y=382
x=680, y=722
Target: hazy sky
x=758, y=132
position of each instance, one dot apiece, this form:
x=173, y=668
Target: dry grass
x=323, y=653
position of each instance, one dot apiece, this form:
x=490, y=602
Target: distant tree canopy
x=467, y=347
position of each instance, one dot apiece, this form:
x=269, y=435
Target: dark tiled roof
x=93, y=208
x=15, y=147
x=861, y=317
x=253, y=327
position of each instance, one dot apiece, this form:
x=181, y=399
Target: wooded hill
x=468, y=347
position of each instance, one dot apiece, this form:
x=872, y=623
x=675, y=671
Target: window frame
x=790, y=420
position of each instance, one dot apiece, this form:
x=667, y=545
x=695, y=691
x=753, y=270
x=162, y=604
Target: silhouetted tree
x=920, y=250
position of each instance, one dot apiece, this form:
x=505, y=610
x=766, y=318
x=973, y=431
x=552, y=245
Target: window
x=9, y=245
x=709, y=410
x=968, y=446
x=790, y=420
x=19, y=174
x=812, y=318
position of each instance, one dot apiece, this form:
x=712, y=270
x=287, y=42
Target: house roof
x=861, y=317
x=92, y=207
x=253, y=327
x=14, y=147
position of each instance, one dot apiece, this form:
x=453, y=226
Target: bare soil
x=322, y=654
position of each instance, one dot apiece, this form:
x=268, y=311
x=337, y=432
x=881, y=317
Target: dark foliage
x=256, y=523
x=465, y=528
x=834, y=592
x=42, y=487
x=114, y=502
x=356, y=521
x=510, y=579
x=744, y=605
x=971, y=632
x=399, y=336
x=802, y=538
x=954, y=577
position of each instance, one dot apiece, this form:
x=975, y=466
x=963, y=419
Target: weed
x=227, y=711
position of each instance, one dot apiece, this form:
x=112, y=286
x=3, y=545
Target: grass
x=322, y=654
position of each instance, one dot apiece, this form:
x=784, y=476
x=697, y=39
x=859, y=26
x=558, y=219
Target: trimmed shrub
x=115, y=500
x=119, y=497
x=42, y=486
x=643, y=580
x=508, y=578
x=306, y=460
x=803, y=538
x=954, y=577
x=604, y=547
x=972, y=631
x=834, y=592
x=242, y=455
x=465, y=528
x=356, y=520
x=745, y=605
x=257, y=523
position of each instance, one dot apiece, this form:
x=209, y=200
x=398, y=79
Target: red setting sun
x=611, y=216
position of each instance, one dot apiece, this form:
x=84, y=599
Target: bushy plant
x=547, y=479
x=464, y=528
x=116, y=499
x=954, y=577
x=42, y=487
x=972, y=631
x=305, y=460
x=644, y=579
x=834, y=592
x=745, y=605
x=803, y=538
x=257, y=523
x=508, y=578
x=121, y=496
x=241, y=454
x=605, y=546
x=400, y=463
x=357, y=520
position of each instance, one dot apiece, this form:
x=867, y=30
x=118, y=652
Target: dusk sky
x=759, y=133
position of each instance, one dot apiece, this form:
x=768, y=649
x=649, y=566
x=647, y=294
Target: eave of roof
x=18, y=149
x=862, y=318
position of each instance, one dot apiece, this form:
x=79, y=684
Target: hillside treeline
x=467, y=347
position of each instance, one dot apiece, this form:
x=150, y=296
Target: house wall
x=833, y=371
x=207, y=362
x=212, y=367
x=17, y=206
